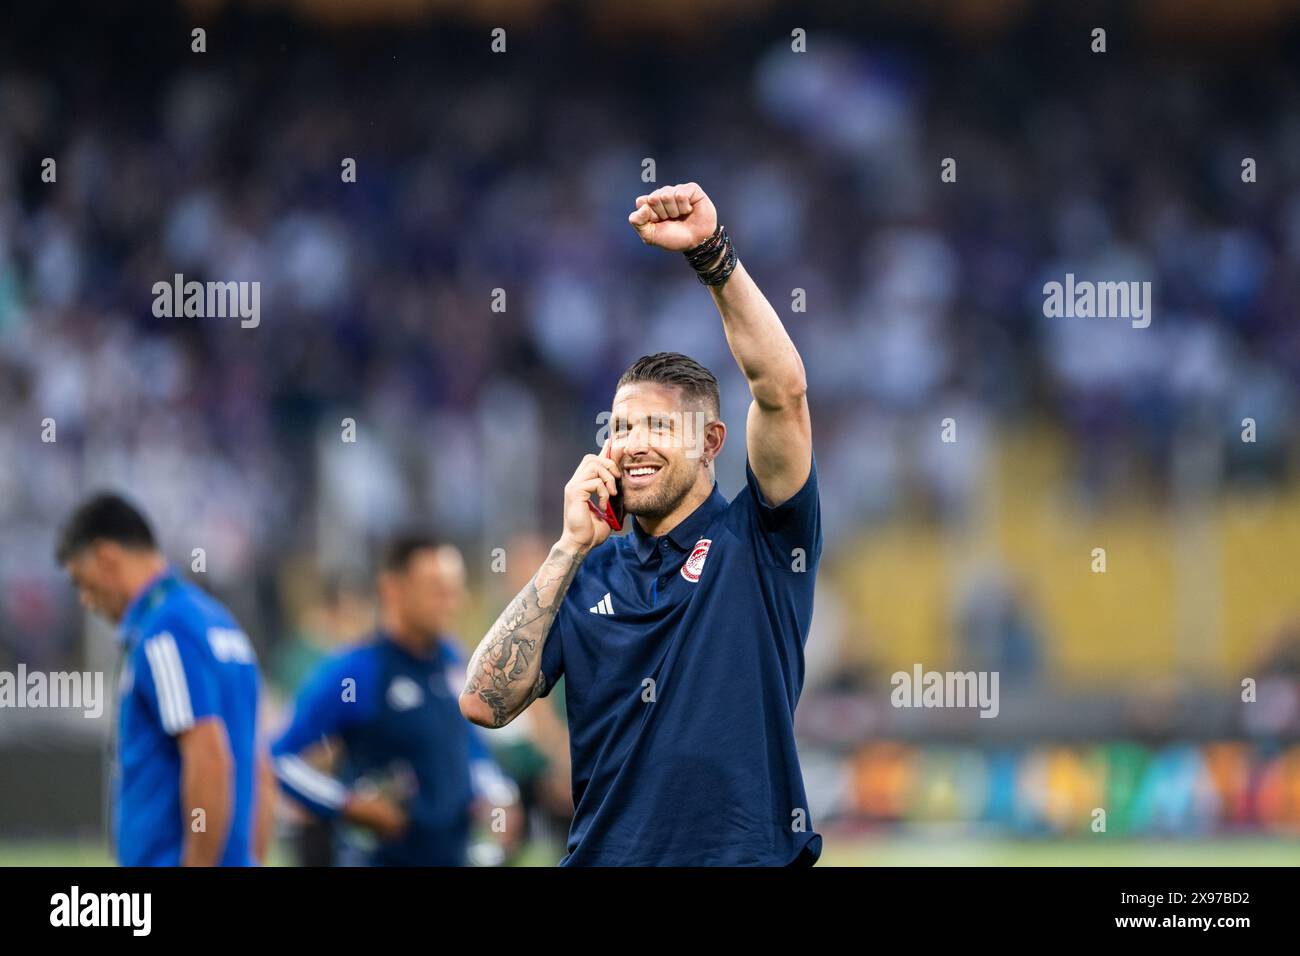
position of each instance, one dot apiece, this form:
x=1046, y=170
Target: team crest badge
x=695, y=562
x=404, y=693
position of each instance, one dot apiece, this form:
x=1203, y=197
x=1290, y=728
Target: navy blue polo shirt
x=683, y=659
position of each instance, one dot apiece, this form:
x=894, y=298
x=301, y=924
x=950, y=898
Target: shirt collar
x=146, y=601
x=436, y=653
x=687, y=531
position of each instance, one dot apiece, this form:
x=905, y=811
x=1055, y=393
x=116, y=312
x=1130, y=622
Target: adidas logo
x=604, y=607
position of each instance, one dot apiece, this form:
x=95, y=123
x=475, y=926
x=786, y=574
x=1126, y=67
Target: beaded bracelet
x=723, y=271
x=707, y=251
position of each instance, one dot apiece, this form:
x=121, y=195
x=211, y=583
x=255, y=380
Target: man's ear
x=715, y=435
x=386, y=585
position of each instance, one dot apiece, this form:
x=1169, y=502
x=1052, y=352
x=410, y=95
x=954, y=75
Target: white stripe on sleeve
x=166, y=704
x=169, y=679
x=310, y=782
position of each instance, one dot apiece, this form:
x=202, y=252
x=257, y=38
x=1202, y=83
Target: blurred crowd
x=475, y=173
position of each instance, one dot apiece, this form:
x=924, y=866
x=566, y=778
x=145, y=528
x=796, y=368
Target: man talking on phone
x=682, y=640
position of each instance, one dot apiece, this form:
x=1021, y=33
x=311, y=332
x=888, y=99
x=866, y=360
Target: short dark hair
x=103, y=517
x=673, y=368
x=400, y=550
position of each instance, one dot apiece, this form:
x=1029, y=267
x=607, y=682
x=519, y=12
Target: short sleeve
x=553, y=649
x=792, y=530
x=182, y=682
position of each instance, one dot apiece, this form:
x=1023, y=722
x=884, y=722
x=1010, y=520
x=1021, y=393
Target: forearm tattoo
x=506, y=670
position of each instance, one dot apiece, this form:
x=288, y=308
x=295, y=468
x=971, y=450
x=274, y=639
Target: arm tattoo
x=506, y=670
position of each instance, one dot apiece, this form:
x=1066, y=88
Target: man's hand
x=584, y=526
x=376, y=812
x=674, y=217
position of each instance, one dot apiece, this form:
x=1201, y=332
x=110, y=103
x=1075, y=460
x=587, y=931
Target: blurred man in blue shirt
x=413, y=769
x=186, y=779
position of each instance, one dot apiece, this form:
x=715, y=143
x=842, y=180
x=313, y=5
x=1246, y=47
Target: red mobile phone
x=613, y=513
x=614, y=507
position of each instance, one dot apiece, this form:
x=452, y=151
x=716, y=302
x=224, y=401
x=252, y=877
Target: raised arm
x=778, y=430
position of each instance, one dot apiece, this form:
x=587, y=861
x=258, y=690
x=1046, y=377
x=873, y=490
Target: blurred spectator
x=923, y=298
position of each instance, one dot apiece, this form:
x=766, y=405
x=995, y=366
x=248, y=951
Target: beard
x=672, y=484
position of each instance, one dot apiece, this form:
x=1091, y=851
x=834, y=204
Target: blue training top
x=186, y=661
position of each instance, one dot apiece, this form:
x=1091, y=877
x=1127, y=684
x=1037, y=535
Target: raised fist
x=674, y=217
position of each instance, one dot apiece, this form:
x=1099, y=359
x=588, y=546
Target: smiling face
x=663, y=445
